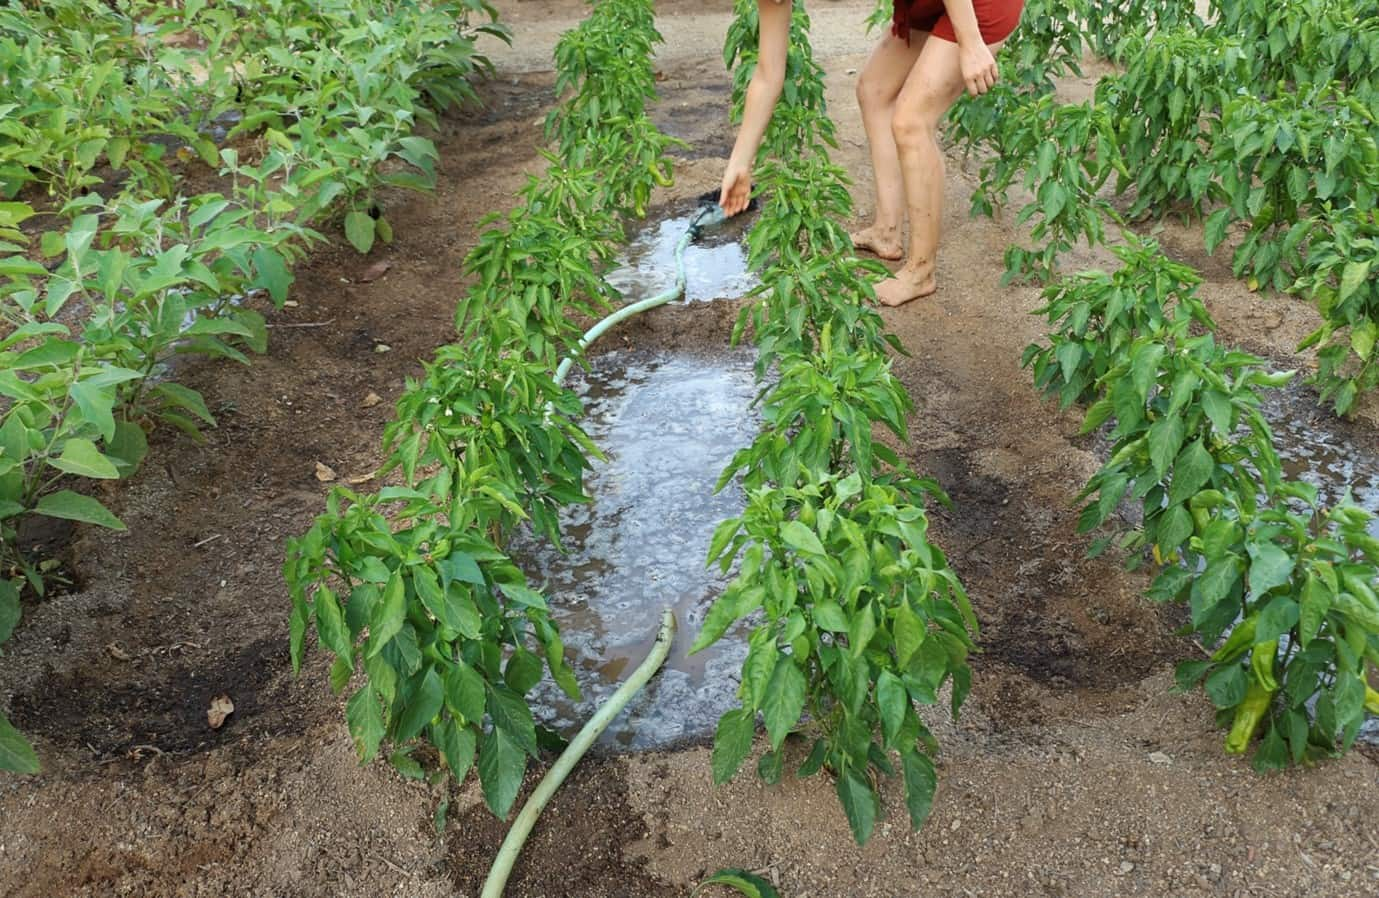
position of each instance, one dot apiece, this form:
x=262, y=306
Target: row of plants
x=855, y=615
x=1281, y=144
x=101, y=296
x=1251, y=553
x=411, y=586
x=1279, y=590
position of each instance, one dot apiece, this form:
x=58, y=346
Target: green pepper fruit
x=1248, y=715
x=1262, y=663
x=1241, y=638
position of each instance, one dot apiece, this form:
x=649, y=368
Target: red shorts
x=995, y=18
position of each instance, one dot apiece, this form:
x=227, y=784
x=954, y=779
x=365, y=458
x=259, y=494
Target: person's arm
x=762, y=94
x=978, y=65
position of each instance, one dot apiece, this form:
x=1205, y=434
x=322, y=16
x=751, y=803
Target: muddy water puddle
x=668, y=425
x=1333, y=455
x=715, y=263
x=1318, y=448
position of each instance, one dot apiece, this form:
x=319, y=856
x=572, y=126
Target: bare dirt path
x=1072, y=772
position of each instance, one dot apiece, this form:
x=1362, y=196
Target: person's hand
x=737, y=189
x=979, y=70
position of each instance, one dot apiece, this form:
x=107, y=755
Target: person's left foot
x=906, y=285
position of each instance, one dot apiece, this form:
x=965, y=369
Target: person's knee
x=911, y=125
x=870, y=93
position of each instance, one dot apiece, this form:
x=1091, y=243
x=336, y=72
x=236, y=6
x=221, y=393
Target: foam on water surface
x=669, y=425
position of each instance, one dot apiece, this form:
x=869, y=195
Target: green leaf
x=128, y=448
x=1214, y=584
x=16, y=754
x=10, y=610
x=461, y=566
x=405, y=764
x=360, y=231
x=422, y=705
x=893, y=701
x=1277, y=618
x=784, y=700
x=457, y=745
x=1218, y=408
x=800, y=538
x=510, y=713
x=859, y=804
x=828, y=615
x=82, y=458
x=96, y=405
x=1191, y=471
x=365, y=718
x=748, y=884
x=1352, y=276
x=522, y=672
x=72, y=506
x=389, y=614
x=1316, y=602
x=464, y=692
x=1270, y=567
x=1165, y=440
x=502, y=765
x=732, y=742
x=1226, y=687
x=909, y=634
x=330, y=625
x=1362, y=338
x=861, y=631
x=273, y=274
x=758, y=667
x=771, y=767
x=1175, y=527
x=185, y=398
x=921, y=781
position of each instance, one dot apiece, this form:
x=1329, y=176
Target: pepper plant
x=1282, y=161
x=1341, y=275
x=1066, y=153
x=485, y=442
x=1095, y=317
x=1167, y=106
x=1296, y=585
x=863, y=616
x=442, y=623
x=1187, y=420
x=862, y=619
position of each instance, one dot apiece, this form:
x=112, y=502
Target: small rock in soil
x=375, y=271
x=371, y=400
x=324, y=473
x=221, y=708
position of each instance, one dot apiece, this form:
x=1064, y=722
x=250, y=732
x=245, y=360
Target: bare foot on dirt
x=907, y=284
x=884, y=243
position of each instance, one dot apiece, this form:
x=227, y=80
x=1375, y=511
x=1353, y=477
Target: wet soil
x=1073, y=771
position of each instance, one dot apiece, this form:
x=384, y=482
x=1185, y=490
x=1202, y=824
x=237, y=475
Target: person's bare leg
x=934, y=84
x=877, y=89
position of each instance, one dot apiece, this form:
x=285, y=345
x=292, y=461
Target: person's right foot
x=880, y=242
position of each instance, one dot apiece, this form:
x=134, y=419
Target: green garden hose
x=522, y=826
x=709, y=216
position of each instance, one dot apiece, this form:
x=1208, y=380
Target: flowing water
x=1320, y=449
x=715, y=264
x=1329, y=453
x=668, y=425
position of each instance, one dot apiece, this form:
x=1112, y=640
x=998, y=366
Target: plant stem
x=545, y=790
